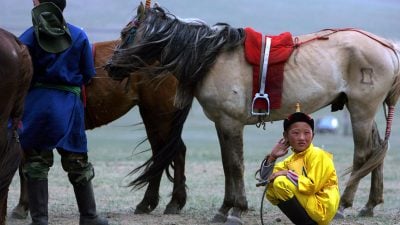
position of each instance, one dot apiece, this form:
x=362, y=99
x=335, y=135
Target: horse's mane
x=188, y=48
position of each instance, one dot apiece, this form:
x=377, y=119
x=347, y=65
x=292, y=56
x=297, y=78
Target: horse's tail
x=166, y=154
x=379, y=146
x=394, y=93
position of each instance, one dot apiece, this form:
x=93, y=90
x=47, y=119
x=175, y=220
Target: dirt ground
x=251, y=218
x=272, y=216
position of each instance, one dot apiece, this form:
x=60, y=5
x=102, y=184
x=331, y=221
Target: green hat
x=51, y=30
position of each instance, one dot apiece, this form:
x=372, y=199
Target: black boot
x=87, y=206
x=38, y=198
x=295, y=212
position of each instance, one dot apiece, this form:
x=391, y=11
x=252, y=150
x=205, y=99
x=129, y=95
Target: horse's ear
x=140, y=11
x=156, y=5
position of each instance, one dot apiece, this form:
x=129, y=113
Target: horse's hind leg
x=363, y=128
x=376, y=193
x=230, y=135
x=10, y=158
x=179, y=195
x=379, y=147
x=21, y=210
x=3, y=208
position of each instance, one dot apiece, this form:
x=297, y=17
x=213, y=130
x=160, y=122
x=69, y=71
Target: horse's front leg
x=151, y=197
x=231, y=142
x=21, y=210
x=179, y=195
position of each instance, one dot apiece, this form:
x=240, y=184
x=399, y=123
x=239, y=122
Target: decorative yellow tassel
x=148, y=2
x=298, y=107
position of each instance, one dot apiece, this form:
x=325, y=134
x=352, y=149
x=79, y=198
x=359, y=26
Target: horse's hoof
x=233, y=220
x=219, y=218
x=142, y=211
x=339, y=215
x=19, y=213
x=172, y=208
x=366, y=212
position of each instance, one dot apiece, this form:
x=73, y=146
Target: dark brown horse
x=108, y=100
x=15, y=74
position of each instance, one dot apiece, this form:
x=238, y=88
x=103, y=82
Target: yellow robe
x=317, y=189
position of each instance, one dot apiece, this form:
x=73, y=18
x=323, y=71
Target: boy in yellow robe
x=304, y=185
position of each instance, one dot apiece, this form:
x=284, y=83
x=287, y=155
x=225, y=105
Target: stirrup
x=260, y=96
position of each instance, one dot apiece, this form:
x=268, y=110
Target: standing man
x=54, y=113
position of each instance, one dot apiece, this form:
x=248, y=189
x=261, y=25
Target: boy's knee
x=280, y=182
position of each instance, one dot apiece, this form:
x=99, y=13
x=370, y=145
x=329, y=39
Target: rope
x=333, y=31
x=389, y=122
x=262, y=204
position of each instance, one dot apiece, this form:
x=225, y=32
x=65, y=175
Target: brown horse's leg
x=231, y=141
x=158, y=128
x=21, y=210
x=179, y=195
x=3, y=208
x=10, y=152
x=151, y=197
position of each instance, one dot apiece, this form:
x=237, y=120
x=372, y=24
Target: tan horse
x=350, y=68
x=16, y=74
x=108, y=100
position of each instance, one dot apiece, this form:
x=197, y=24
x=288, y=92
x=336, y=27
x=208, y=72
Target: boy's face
x=300, y=136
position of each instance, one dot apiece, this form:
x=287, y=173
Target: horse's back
x=320, y=71
x=106, y=99
x=351, y=62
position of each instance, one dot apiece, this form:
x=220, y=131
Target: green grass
x=112, y=147
x=204, y=167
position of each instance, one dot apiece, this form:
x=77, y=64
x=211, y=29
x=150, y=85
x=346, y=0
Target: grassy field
x=112, y=147
x=113, y=155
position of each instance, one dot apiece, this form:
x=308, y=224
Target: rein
x=298, y=43
x=97, y=67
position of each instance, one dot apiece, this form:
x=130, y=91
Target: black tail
x=161, y=161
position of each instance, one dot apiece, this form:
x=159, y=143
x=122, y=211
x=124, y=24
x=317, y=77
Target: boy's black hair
x=298, y=117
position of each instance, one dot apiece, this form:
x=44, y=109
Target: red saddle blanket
x=281, y=49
